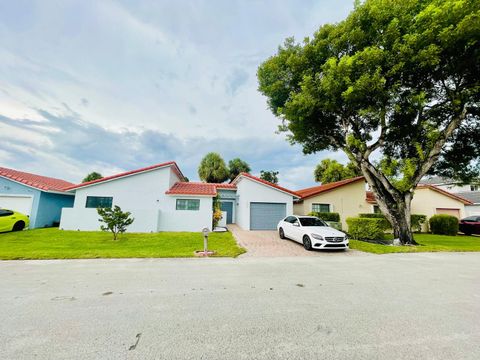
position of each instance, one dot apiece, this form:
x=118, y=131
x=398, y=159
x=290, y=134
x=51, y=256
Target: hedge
x=416, y=220
x=443, y=224
x=366, y=228
x=326, y=216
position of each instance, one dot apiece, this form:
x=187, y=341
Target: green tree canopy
x=270, y=176
x=329, y=171
x=92, y=176
x=213, y=168
x=396, y=80
x=237, y=166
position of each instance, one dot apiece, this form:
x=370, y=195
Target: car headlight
x=318, y=237
x=346, y=237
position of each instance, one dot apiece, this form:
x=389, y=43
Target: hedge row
x=416, y=220
x=366, y=228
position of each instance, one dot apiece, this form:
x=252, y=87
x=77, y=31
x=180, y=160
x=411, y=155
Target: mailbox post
x=205, y=240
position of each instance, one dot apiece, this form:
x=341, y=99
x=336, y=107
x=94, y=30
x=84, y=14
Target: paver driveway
x=268, y=243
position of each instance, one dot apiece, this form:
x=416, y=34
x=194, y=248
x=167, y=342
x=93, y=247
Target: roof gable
x=172, y=164
x=315, y=190
x=264, y=182
x=43, y=183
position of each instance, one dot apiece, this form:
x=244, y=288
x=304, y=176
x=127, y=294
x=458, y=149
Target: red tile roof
x=132, y=172
x=370, y=197
x=43, y=183
x=192, y=188
x=275, y=186
x=312, y=191
x=198, y=188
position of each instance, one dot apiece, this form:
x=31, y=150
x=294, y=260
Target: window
x=188, y=204
x=322, y=208
x=5, y=212
x=474, y=187
x=99, y=202
x=376, y=209
x=311, y=222
x=290, y=219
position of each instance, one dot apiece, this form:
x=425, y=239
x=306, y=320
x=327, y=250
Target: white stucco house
x=160, y=199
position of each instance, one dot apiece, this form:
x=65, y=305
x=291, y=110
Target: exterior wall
x=250, y=191
x=426, y=201
x=8, y=187
x=348, y=201
x=50, y=208
x=471, y=210
x=144, y=196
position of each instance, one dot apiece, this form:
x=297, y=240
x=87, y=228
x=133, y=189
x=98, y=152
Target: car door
x=297, y=231
x=287, y=226
x=476, y=226
x=5, y=220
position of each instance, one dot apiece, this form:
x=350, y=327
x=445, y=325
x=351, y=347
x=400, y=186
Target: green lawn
x=58, y=244
x=428, y=243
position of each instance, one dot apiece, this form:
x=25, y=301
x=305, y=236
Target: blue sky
x=116, y=85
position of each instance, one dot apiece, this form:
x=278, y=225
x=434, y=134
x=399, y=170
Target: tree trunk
x=394, y=204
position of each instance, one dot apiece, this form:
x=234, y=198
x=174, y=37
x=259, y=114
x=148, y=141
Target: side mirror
x=296, y=224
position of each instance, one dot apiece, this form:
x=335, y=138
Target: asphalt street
x=397, y=306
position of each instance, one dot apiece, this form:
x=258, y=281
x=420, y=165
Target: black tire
x=19, y=226
x=307, y=243
x=281, y=234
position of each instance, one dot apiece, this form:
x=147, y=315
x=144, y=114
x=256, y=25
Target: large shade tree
x=395, y=86
x=213, y=169
x=328, y=171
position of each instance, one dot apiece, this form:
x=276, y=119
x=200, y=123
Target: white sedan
x=312, y=232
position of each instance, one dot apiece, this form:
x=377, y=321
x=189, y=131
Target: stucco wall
x=50, y=208
x=426, y=201
x=251, y=191
x=144, y=196
x=348, y=201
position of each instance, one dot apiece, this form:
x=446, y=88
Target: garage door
x=265, y=216
x=22, y=204
x=453, y=212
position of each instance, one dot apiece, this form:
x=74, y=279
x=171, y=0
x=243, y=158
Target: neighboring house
x=430, y=200
x=470, y=191
x=349, y=198
x=160, y=199
x=41, y=198
x=346, y=197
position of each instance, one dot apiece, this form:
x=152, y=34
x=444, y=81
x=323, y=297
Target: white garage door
x=22, y=204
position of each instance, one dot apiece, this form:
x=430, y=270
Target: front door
x=227, y=206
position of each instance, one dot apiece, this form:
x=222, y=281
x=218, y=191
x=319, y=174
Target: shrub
x=444, y=224
x=417, y=221
x=115, y=220
x=386, y=224
x=366, y=228
x=326, y=216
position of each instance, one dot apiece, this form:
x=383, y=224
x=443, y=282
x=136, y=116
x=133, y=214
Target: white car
x=312, y=232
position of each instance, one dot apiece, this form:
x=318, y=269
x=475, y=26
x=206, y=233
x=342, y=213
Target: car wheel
x=281, y=233
x=307, y=244
x=19, y=226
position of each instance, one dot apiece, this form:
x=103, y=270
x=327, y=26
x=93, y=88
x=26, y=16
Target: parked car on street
x=13, y=221
x=470, y=225
x=312, y=232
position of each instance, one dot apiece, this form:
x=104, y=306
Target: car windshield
x=312, y=222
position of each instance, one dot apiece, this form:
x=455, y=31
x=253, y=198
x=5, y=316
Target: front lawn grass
x=59, y=244
x=428, y=243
